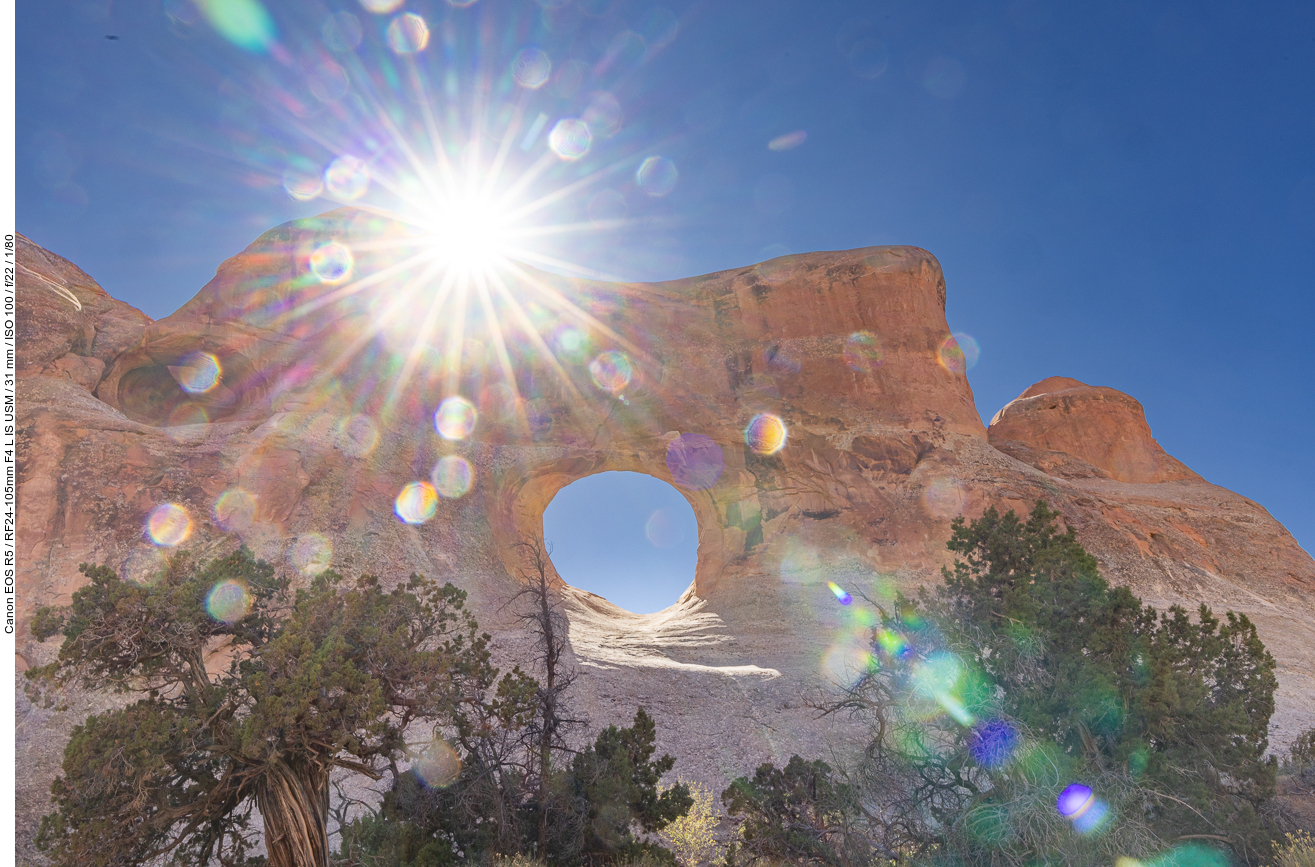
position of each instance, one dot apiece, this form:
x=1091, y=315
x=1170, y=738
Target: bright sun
x=470, y=232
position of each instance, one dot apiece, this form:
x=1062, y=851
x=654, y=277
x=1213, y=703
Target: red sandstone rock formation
x=324, y=411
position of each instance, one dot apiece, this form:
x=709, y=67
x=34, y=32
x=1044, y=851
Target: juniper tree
x=1026, y=671
x=333, y=676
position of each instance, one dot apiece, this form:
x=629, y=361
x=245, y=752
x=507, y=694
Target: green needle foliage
x=1060, y=678
x=333, y=677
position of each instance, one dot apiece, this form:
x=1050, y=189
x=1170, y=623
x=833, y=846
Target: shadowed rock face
x=289, y=403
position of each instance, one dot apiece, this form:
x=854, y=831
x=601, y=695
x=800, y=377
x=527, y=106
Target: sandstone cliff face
x=289, y=403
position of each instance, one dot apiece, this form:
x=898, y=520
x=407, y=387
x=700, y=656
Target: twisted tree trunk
x=293, y=799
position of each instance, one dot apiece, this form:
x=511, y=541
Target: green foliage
x=333, y=677
x=1165, y=716
x=616, y=780
x=596, y=805
x=1300, y=763
x=797, y=814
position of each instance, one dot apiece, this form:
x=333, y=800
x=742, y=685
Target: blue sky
x=1123, y=193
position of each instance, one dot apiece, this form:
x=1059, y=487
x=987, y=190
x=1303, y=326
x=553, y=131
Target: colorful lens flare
x=455, y=418
x=789, y=141
x=662, y=529
x=245, y=23
x=863, y=352
x=570, y=139
x=311, y=554
x=417, y=502
x=611, y=371
x=452, y=477
x=766, y=434
x=656, y=176
x=381, y=7
x=840, y=593
x=407, y=33
x=228, y=601
x=992, y=743
x=531, y=68
x=144, y=567
x=357, y=435
x=438, y=766
x=695, y=461
x=168, y=525
x=331, y=263
x=234, y=510
x=197, y=373
x=1079, y=805
x=347, y=178
x=959, y=353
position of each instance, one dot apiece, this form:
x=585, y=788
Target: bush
x=1025, y=672
x=693, y=836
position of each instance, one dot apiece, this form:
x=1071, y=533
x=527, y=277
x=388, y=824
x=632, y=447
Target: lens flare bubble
x=245, y=23
x=1079, y=804
x=611, y=371
x=455, y=418
x=766, y=434
x=234, y=510
x=228, y=601
x=438, y=766
x=695, y=461
x=846, y=661
x=407, y=33
x=944, y=77
x=659, y=27
x=417, y=502
x=894, y=645
x=168, y=525
x=840, y=593
x=863, y=352
x=197, y=373
x=992, y=743
x=570, y=138
x=302, y=186
x=572, y=342
x=342, y=31
x=656, y=176
x=944, y=498
x=452, y=477
x=789, y=141
x=357, y=435
x=531, y=68
x=347, y=178
x=311, y=554
x=1075, y=800
x=959, y=353
x=607, y=206
x=144, y=567
x=938, y=678
x=331, y=263
x=328, y=81
x=381, y=7
x=868, y=57
x=662, y=529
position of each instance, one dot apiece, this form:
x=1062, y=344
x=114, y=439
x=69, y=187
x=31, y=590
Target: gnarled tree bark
x=293, y=799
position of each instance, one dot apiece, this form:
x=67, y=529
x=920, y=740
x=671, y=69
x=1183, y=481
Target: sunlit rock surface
x=290, y=403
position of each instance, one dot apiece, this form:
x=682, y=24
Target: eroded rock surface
x=334, y=341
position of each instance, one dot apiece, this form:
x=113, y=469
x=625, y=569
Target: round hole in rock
x=627, y=537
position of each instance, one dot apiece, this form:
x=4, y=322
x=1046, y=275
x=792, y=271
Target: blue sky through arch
x=628, y=537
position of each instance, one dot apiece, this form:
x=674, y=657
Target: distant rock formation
x=292, y=400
